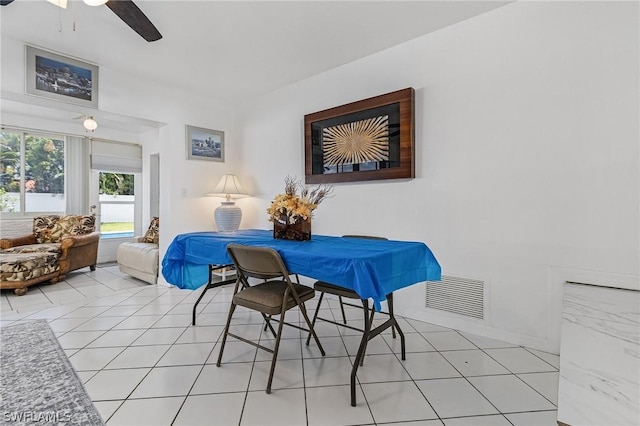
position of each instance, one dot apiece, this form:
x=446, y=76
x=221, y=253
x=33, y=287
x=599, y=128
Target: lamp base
x=228, y=216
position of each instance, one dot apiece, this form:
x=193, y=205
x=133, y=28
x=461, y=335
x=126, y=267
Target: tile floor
x=143, y=363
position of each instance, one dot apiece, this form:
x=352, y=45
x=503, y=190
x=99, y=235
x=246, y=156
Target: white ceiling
x=234, y=50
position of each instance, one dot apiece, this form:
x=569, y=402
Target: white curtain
x=77, y=175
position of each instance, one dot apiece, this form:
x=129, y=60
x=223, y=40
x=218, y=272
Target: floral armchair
x=57, y=245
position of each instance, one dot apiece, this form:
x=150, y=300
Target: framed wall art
x=204, y=144
x=62, y=78
x=365, y=140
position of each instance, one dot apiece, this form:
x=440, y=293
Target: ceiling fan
x=125, y=9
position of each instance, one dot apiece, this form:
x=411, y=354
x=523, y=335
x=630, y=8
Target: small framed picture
x=204, y=144
x=58, y=77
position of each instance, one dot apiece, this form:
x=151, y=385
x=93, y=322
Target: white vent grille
x=462, y=296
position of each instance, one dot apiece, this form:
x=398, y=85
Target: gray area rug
x=37, y=383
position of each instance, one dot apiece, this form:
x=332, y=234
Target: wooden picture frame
x=53, y=76
x=204, y=144
x=365, y=140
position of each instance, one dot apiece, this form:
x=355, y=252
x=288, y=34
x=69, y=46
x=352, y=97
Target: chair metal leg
x=315, y=316
x=312, y=332
x=360, y=354
x=226, y=332
x=344, y=317
x=275, y=350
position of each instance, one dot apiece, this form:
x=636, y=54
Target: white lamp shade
x=229, y=187
x=228, y=216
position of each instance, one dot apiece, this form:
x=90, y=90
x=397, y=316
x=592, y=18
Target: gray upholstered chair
x=275, y=295
x=342, y=292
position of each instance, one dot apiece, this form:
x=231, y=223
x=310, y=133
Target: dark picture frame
x=204, y=144
x=365, y=140
x=53, y=76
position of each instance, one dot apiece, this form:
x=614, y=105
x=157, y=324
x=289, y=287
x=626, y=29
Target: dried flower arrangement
x=291, y=207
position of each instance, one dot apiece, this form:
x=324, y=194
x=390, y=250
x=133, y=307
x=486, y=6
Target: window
x=117, y=204
x=32, y=173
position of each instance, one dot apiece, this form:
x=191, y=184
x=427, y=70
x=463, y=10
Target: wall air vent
x=461, y=296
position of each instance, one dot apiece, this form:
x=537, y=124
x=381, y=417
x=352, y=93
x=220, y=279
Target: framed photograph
x=365, y=140
x=58, y=77
x=204, y=144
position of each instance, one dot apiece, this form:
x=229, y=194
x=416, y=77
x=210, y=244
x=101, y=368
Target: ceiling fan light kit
x=59, y=3
x=90, y=124
x=124, y=9
x=95, y=2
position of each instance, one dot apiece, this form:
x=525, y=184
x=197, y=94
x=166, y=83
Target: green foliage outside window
x=116, y=184
x=43, y=164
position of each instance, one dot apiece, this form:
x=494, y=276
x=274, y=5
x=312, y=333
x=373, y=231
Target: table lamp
x=228, y=216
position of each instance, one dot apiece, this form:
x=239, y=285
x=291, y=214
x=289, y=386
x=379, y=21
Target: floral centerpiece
x=291, y=212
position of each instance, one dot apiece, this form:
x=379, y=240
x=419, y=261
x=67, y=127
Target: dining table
x=374, y=269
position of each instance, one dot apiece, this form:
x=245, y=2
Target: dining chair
x=274, y=295
x=342, y=292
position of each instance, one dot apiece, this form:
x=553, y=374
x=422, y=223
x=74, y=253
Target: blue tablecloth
x=372, y=268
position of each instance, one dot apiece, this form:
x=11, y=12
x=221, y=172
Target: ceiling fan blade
x=135, y=18
x=5, y=2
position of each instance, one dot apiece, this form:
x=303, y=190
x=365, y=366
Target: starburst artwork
x=357, y=142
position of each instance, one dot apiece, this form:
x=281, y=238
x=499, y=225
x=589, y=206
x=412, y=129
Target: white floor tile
x=99, y=323
x=114, y=384
x=159, y=336
x=138, y=321
x=107, y=408
x=425, y=327
x=169, y=357
x=540, y=418
x=167, y=381
x=396, y=401
x=448, y=341
x=429, y=365
x=146, y=412
x=116, y=338
x=545, y=383
x=287, y=375
x=234, y=352
x=66, y=324
x=381, y=368
x=487, y=343
x=327, y=371
x=284, y=407
x=138, y=357
x=494, y=420
x=519, y=360
x=414, y=342
x=201, y=334
x=474, y=363
x=78, y=339
x=220, y=409
x=93, y=359
x=455, y=398
x=332, y=406
x=552, y=359
x=509, y=394
x=181, y=320
x=187, y=354
x=377, y=345
x=233, y=377
x=333, y=347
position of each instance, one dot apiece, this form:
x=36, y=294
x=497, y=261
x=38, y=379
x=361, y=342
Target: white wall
x=184, y=206
x=526, y=156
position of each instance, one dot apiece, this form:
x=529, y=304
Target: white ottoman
x=139, y=260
